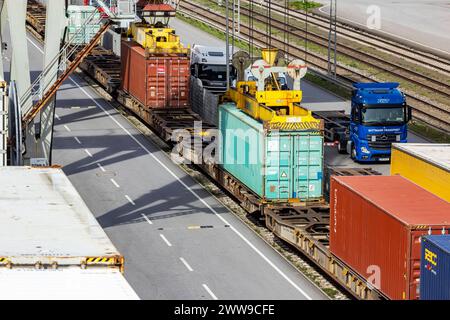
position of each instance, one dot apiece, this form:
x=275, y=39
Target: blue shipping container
x=435, y=268
x=276, y=165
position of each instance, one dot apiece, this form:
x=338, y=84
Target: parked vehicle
x=379, y=117
x=209, y=65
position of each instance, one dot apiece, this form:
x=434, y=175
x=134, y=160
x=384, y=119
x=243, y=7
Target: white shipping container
x=51, y=241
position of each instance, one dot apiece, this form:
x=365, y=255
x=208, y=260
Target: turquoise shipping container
x=83, y=24
x=276, y=165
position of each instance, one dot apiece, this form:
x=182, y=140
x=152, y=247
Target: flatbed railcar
x=305, y=226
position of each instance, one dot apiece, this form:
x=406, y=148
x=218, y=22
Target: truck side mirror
x=193, y=70
x=409, y=113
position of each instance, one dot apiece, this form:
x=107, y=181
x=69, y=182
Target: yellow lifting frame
x=262, y=105
x=157, y=40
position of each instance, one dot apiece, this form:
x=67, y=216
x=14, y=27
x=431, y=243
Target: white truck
x=208, y=64
x=51, y=245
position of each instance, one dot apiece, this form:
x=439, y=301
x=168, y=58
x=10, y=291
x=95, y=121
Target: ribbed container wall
x=156, y=81
x=278, y=166
x=376, y=223
x=78, y=32
x=428, y=165
x=204, y=102
x=435, y=268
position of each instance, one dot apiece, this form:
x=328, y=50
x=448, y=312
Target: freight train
x=288, y=191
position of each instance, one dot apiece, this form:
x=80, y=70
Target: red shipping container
x=156, y=81
x=376, y=224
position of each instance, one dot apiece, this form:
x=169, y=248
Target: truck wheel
x=353, y=154
x=342, y=149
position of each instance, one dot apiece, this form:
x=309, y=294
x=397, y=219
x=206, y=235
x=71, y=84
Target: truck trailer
x=52, y=247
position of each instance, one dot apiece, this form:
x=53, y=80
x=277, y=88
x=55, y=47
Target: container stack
x=376, y=226
x=155, y=66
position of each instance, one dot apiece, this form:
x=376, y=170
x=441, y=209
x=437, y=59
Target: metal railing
x=57, y=65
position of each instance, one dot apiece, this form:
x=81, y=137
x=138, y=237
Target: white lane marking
x=186, y=264
x=88, y=153
x=77, y=140
x=57, y=117
x=147, y=219
x=281, y=273
x=115, y=183
x=165, y=240
x=101, y=168
x=129, y=200
x=210, y=292
x=67, y=128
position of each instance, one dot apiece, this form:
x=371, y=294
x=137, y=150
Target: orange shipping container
x=376, y=225
x=156, y=81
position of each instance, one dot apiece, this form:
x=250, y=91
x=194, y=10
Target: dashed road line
x=101, y=168
x=165, y=240
x=77, y=140
x=210, y=292
x=115, y=183
x=130, y=200
x=67, y=128
x=88, y=153
x=147, y=219
x=186, y=264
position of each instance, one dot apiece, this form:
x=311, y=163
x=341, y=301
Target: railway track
x=427, y=59
x=430, y=112
x=349, y=51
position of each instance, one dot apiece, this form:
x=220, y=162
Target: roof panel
x=44, y=216
x=400, y=198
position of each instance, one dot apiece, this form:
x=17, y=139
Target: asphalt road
x=421, y=21
x=151, y=210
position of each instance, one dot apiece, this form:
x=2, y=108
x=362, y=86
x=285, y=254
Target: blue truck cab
x=379, y=117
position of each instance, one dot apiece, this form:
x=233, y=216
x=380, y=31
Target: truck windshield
x=383, y=115
x=212, y=72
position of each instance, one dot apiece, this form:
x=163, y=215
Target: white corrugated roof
x=42, y=216
x=435, y=153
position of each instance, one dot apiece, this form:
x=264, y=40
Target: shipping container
x=52, y=247
x=343, y=171
x=376, y=223
x=83, y=24
x=435, y=268
x=155, y=80
x=427, y=165
x=204, y=102
x=276, y=165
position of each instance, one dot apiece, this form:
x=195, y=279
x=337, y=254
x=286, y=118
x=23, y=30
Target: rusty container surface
x=156, y=81
x=376, y=224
